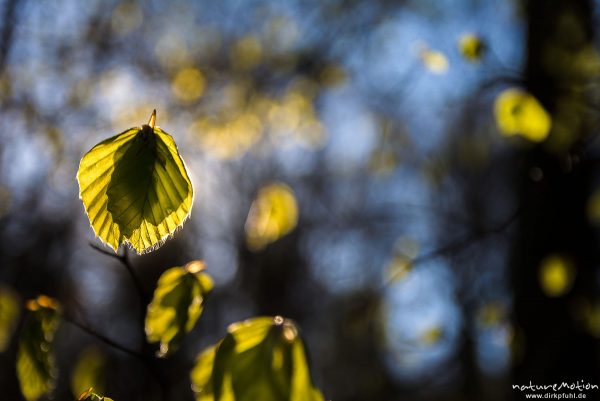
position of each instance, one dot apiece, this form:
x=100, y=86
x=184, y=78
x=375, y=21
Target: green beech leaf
x=9, y=315
x=35, y=360
x=89, y=395
x=176, y=305
x=259, y=359
x=135, y=188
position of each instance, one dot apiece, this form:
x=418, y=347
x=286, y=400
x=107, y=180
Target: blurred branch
x=146, y=355
x=9, y=21
x=142, y=357
x=463, y=243
x=468, y=240
x=102, y=337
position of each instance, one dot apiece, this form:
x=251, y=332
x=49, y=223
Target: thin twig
x=102, y=337
x=461, y=243
x=146, y=355
x=125, y=262
x=466, y=241
x=142, y=357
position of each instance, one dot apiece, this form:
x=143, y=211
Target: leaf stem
x=142, y=357
x=152, y=120
x=146, y=355
x=125, y=262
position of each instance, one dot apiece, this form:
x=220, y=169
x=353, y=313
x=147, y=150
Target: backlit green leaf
x=35, y=360
x=9, y=315
x=259, y=359
x=135, y=188
x=177, y=304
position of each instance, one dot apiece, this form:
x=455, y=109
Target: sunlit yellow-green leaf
x=201, y=376
x=519, y=113
x=135, y=188
x=272, y=215
x=556, y=275
x=259, y=359
x=89, y=395
x=88, y=371
x=471, y=47
x=177, y=304
x=9, y=315
x=35, y=361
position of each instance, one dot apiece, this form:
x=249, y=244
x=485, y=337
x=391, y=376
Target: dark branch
x=468, y=240
x=9, y=19
x=463, y=243
x=125, y=262
x=103, y=338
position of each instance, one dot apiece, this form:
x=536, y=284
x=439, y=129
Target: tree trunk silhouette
x=550, y=343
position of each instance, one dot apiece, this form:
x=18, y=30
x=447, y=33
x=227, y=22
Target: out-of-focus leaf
x=556, y=275
x=519, y=113
x=435, y=61
x=471, y=47
x=188, y=85
x=230, y=136
x=401, y=263
x=135, y=188
x=89, y=395
x=126, y=17
x=398, y=268
x=177, y=304
x=491, y=314
x=593, y=207
x=272, y=215
x=259, y=359
x=35, y=360
x=591, y=318
x=383, y=161
x=9, y=315
x=88, y=371
x=246, y=53
x=332, y=75
x=431, y=336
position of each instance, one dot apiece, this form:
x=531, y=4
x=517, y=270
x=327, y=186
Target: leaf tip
x=152, y=120
x=195, y=266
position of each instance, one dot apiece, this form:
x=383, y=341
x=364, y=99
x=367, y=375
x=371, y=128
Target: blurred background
x=415, y=183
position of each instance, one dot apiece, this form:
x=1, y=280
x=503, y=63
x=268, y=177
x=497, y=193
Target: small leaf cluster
x=259, y=359
x=136, y=191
